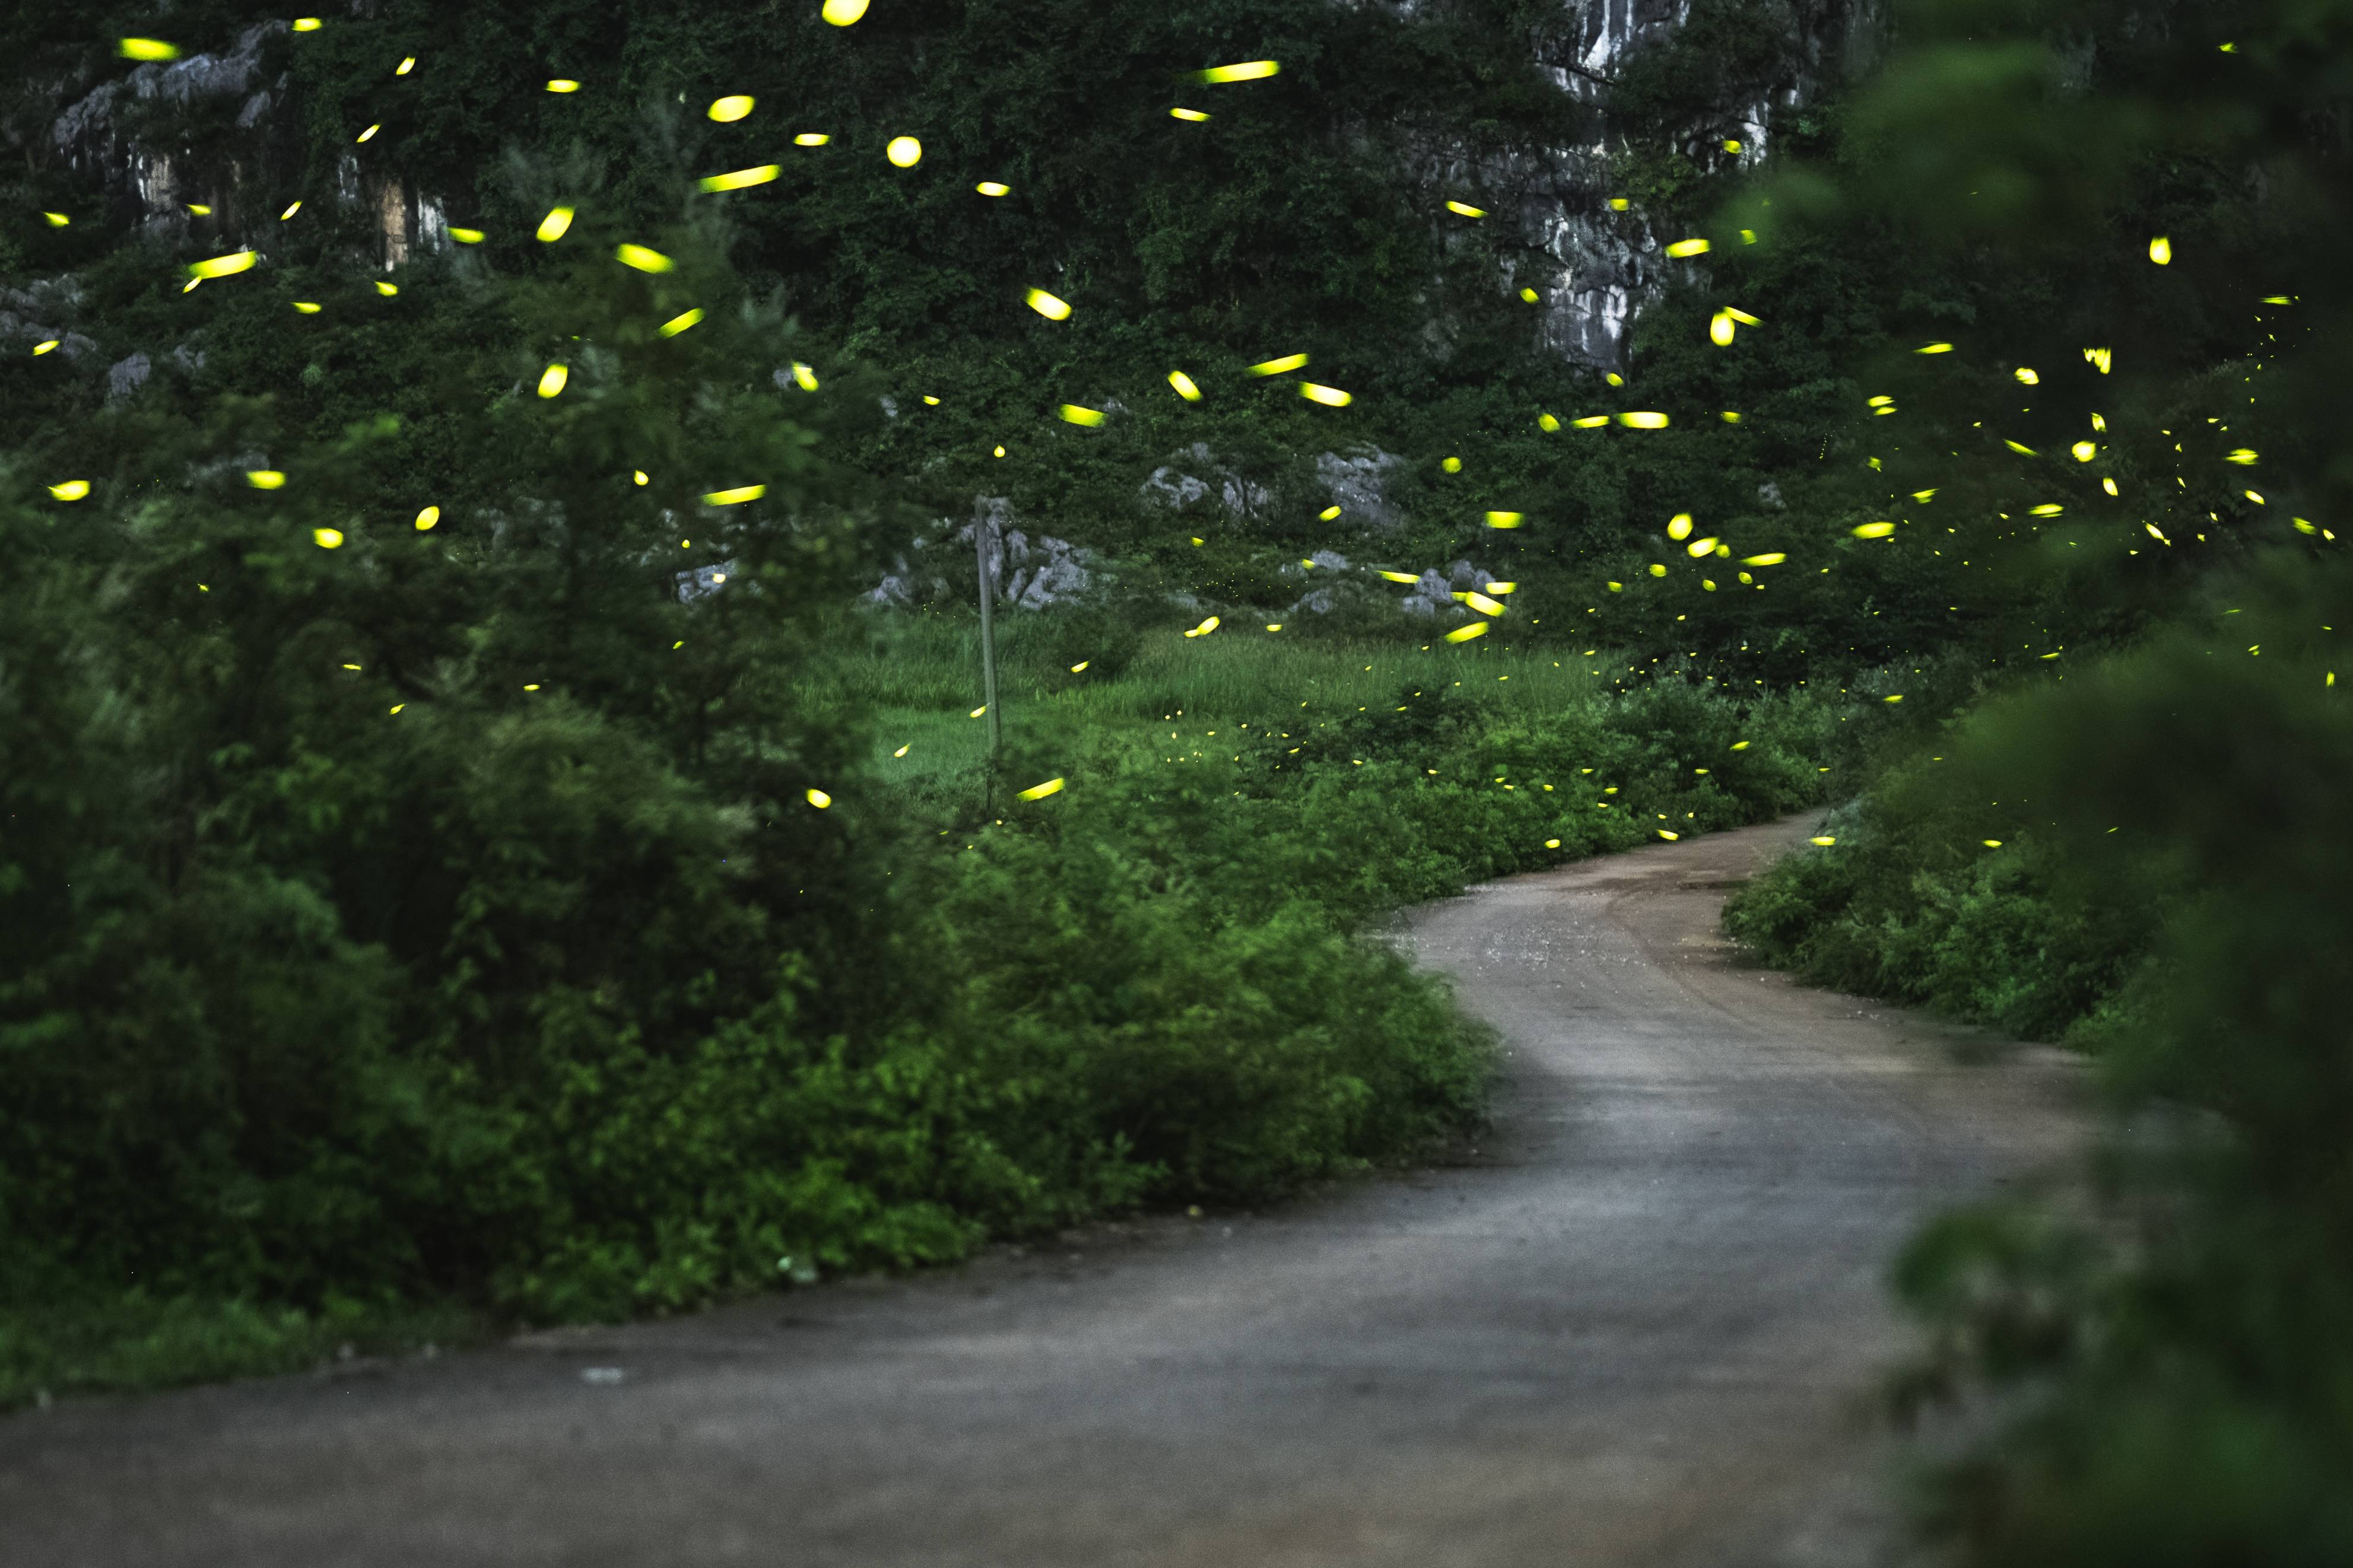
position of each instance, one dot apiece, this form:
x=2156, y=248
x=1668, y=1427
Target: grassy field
x=918, y=677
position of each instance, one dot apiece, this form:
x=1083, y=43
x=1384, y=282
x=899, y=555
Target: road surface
x=1637, y=1326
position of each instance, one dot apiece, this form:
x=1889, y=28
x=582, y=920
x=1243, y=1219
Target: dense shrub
x=2175, y=1338
x=1911, y=904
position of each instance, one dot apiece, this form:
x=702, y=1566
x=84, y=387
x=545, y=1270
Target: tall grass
x=918, y=677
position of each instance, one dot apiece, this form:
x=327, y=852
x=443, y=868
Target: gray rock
x=1174, y=488
x=205, y=76
x=43, y=297
x=86, y=131
x=87, y=122
x=126, y=376
x=1769, y=495
x=1055, y=580
x=1359, y=484
x=889, y=406
x=432, y=223
x=1167, y=487
x=702, y=581
x=190, y=361
x=1433, y=593
x=152, y=175
x=1030, y=575
x=896, y=591
x=255, y=108
x=1240, y=498
x=228, y=469
x=1594, y=269
x=1428, y=596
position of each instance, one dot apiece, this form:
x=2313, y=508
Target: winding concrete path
x=1636, y=1326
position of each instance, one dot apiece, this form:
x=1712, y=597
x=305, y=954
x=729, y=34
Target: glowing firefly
x=740, y=179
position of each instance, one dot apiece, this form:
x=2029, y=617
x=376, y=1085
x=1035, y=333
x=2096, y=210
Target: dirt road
x=1630, y=1329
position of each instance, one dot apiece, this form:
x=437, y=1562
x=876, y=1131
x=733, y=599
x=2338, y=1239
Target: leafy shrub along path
x=1143, y=989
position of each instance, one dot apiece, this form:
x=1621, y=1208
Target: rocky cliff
x=202, y=145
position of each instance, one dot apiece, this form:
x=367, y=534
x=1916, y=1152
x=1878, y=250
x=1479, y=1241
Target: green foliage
x=2164, y=1349
x=2166, y=892
x=1306, y=207
x=444, y=916
x=1230, y=1039
x=137, y=1341
x=1913, y=905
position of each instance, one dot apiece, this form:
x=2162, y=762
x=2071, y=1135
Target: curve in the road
x=1634, y=1327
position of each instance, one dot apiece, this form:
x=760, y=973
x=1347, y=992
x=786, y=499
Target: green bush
x=1912, y=905
x=2168, y=1340
x=1230, y=1044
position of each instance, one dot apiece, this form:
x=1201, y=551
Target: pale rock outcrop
x=1174, y=488
x=1433, y=593
x=1359, y=485
x=701, y=581
x=85, y=133
x=1593, y=268
x=125, y=376
x=1030, y=574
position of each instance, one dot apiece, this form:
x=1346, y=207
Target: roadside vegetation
x=419, y=919
x=417, y=933
x=423, y=917
x=558, y=1088
x=2142, y=850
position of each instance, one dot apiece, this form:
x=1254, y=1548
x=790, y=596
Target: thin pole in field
x=980, y=533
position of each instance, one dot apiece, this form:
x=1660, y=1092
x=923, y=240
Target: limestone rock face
x=86, y=134
x=160, y=181
x=1030, y=574
x=1169, y=489
x=1433, y=593
x=16, y=331
x=702, y=581
x=1327, y=564
x=126, y=376
x=1358, y=485
x=1051, y=574
x=1174, y=488
x=895, y=591
x=26, y=312
x=1593, y=267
